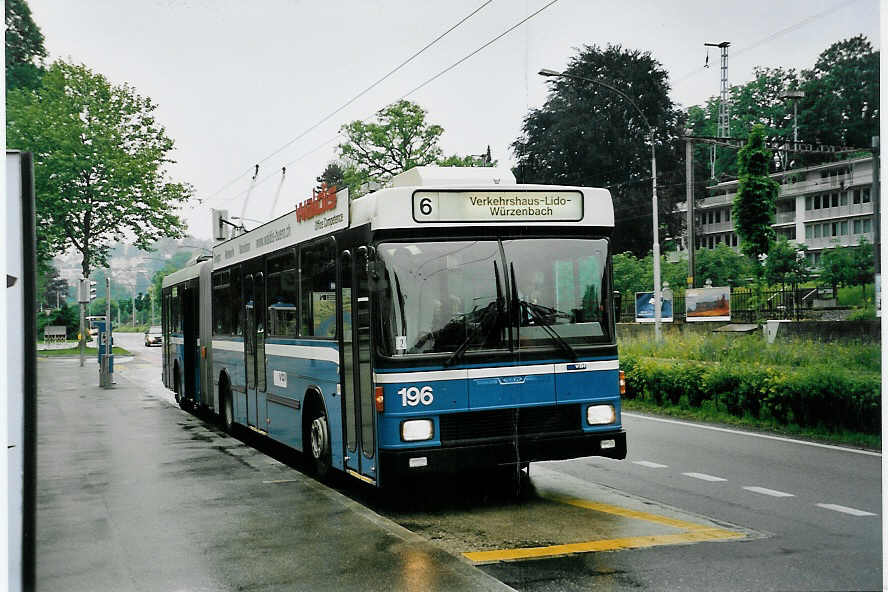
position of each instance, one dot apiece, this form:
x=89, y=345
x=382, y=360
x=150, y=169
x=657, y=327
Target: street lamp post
x=657, y=291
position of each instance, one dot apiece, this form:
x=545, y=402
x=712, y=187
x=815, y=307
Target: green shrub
x=809, y=396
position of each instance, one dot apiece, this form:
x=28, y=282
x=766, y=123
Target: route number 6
x=425, y=206
x=413, y=396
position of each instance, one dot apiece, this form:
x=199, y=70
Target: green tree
x=755, y=202
x=841, y=104
x=723, y=265
x=835, y=267
x=455, y=160
x=24, y=47
x=99, y=154
x=399, y=139
x=786, y=264
x=862, y=264
x=586, y=134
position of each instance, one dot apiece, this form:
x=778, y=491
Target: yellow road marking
x=693, y=533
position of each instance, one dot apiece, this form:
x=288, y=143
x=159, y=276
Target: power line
x=359, y=95
x=435, y=77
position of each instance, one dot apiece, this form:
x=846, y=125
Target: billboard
x=644, y=307
x=708, y=304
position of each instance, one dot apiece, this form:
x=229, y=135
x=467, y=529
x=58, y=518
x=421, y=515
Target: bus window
x=318, y=290
x=437, y=296
x=561, y=287
x=283, y=318
x=221, y=311
x=235, y=302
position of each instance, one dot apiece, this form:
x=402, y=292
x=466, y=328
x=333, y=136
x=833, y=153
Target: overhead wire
x=427, y=82
x=357, y=96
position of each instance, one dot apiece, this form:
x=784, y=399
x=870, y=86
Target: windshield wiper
x=491, y=309
x=540, y=319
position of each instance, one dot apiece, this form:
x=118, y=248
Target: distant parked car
x=153, y=336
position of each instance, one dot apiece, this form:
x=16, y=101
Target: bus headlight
x=416, y=430
x=600, y=414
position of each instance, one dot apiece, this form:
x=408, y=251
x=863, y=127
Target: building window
x=867, y=225
x=817, y=231
x=865, y=198
x=857, y=226
x=844, y=228
x=809, y=202
x=843, y=199
x=817, y=202
x=809, y=232
x=728, y=215
x=856, y=198
x=834, y=199
x=717, y=216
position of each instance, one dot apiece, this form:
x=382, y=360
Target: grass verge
x=75, y=351
x=706, y=413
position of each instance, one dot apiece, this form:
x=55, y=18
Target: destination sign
x=497, y=206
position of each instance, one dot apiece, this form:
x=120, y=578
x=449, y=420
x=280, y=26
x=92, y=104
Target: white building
x=819, y=206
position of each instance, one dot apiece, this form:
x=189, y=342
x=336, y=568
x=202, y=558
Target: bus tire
x=227, y=412
x=319, y=443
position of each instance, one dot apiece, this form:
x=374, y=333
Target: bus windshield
x=456, y=296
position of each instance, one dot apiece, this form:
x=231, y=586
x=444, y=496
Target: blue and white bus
x=452, y=320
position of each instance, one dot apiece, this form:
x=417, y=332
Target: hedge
x=831, y=399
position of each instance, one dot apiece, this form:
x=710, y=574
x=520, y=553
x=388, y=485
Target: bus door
x=254, y=350
x=357, y=396
x=190, y=344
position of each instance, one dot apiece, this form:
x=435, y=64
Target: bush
x=69, y=316
x=809, y=396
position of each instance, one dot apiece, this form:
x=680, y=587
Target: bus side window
x=318, y=290
x=234, y=303
x=282, y=296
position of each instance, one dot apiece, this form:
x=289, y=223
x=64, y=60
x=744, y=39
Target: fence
x=747, y=306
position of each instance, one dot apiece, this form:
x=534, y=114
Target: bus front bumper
x=454, y=458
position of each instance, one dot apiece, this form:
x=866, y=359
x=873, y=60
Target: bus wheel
x=227, y=413
x=319, y=437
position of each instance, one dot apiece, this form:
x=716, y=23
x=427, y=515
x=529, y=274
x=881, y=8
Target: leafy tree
x=862, y=264
x=398, y=140
x=723, y=265
x=98, y=158
x=841, y=104
x=24, y=47
x=835, y=267
x=755, y=202
x=786, y=264
x=470, y=160
x=632, y=274
x=586, y=134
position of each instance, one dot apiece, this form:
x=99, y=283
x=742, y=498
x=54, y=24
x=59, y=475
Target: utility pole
x=82, y=299
x=724, y=105
x=877, y=217
x=689, y=196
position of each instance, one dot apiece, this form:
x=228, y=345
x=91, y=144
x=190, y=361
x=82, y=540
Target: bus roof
x=184, y=274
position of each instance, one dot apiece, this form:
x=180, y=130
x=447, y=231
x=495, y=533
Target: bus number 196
x=413, y=396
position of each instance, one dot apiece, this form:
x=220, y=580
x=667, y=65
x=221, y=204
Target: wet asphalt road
x=810, y=516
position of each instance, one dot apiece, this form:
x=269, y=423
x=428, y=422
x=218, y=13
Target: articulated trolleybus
x=453, y=320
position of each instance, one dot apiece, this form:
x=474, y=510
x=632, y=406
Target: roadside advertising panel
x=644, y=307
x=708, y=304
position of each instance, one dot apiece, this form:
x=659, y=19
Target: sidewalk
x=135, y=494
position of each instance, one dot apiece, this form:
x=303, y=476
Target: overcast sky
x=235, y=80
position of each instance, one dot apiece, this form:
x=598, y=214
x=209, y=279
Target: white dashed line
x=844, y=510
x=649, y=464
x=703, y=477
x=771, y=492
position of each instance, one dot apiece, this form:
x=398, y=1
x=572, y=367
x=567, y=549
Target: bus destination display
x=497, y=206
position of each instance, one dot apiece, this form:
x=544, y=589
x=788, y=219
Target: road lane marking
x=704, y=477
x=276, y=481
x=753, y=434
x=845, y=510
x=649, y=464
x=771, y=492
x=694, y=533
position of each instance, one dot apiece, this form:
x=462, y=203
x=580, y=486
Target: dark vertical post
x=29, y=288
x=689, y=193
x=877, y=215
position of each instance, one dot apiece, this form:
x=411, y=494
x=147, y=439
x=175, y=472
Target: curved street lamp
x=657, y=290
